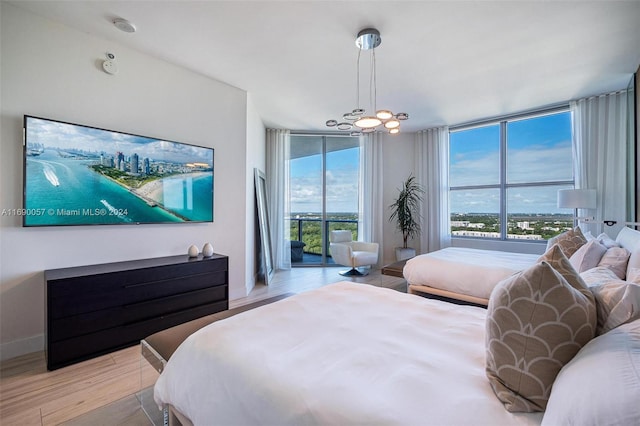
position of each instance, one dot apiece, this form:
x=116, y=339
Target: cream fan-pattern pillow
x=569, y=241
x=536, y=322
x=558, y=261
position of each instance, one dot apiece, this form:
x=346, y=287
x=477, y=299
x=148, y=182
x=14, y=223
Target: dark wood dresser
x=96, y=309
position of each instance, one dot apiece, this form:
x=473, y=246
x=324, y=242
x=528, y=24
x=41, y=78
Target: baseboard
x=16, y=348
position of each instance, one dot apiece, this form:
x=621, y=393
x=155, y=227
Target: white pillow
x=616, y=259
x=617, y=302
x=607, y=241
x=598, y=275
x=601, y=384
x=633, y=275
x=628, y=238
x=634, y=261
x=588, y=256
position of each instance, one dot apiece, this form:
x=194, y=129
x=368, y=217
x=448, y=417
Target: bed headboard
x=630, y=239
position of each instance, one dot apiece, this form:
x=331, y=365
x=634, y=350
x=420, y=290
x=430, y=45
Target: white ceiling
x=441, y=62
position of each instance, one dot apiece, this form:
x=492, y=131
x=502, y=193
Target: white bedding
x=467, y=271
x=342, y=354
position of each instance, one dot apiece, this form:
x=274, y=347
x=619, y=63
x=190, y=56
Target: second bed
x=463, y=273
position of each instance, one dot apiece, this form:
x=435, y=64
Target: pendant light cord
x=375, y=83
x=358, y=80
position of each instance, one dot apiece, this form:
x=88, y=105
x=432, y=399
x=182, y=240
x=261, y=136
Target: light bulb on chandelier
x=368, y=39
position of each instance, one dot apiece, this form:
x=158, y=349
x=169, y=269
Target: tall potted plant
x=405, y=213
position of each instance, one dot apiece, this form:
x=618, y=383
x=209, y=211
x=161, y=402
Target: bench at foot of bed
x=447, y=296
x=158, y=348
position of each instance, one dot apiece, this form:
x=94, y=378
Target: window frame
x=323, y=138
x=502, y=185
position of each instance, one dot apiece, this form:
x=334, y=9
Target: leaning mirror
x=266, y=256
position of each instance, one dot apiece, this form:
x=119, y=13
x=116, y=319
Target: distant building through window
x=504, y=175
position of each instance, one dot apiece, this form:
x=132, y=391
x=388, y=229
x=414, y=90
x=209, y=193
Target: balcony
x=309, y=231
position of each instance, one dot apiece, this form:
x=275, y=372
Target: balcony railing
x=309, y=231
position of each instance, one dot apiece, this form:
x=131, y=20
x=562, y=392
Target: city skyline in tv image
x=80, y=175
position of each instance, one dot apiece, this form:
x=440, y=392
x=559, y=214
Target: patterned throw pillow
x=569, y=241
x=558, y=261
x=537, y=320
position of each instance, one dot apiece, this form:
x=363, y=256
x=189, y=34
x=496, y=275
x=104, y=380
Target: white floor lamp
x=576, y=199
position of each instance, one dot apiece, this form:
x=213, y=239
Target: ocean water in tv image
x=66, y=190
x=189, y=196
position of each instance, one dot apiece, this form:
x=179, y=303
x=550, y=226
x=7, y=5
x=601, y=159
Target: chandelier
x=360, y=120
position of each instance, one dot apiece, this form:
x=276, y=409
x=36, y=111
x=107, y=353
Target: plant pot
x=405, y=253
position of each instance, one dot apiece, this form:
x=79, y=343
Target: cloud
x=69, y=136
x=540, y=163
x=535, y=163
x=533, y=200
x=341, y=184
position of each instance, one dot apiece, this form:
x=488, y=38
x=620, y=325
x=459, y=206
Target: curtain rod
x=319, y=133
x=546, y=110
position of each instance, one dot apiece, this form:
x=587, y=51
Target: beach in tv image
x=80, y=175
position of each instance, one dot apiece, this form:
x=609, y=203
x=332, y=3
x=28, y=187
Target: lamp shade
x=577, y=198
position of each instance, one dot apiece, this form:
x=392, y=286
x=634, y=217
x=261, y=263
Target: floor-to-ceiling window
x=505, y=174
x=323, y=194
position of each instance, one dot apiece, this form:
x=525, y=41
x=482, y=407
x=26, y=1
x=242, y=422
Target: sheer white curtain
x=277, y=176
x=432, y=172
x=600, y=135
x=370, y=205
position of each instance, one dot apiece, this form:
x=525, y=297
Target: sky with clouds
x=342, y=182
x=71, y=136
x=538, y=150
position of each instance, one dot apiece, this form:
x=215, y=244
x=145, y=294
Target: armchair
x=351, y=253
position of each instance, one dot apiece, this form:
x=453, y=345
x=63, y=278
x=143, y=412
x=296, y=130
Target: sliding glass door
x=323, y=194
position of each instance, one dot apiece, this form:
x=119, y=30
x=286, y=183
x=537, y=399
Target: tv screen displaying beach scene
x=82, y=175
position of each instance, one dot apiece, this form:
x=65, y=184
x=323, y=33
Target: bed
x=463, y=273
x=351, y=353
x=470, y=275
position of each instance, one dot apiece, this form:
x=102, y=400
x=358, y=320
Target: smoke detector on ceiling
x=124, y=25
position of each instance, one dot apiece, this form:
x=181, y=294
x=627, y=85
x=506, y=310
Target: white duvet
x=342, y=354
x=463, y=270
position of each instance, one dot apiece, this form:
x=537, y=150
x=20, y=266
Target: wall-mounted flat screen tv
x=81, y=175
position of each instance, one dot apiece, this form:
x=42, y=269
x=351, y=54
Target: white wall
x=256, y=158
x=53, y=71
x=398, y=165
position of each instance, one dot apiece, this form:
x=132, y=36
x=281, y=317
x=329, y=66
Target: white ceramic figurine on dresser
x=193, y=251
x=207, y=250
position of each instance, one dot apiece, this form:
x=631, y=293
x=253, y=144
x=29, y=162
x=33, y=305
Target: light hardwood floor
x=103, y=390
